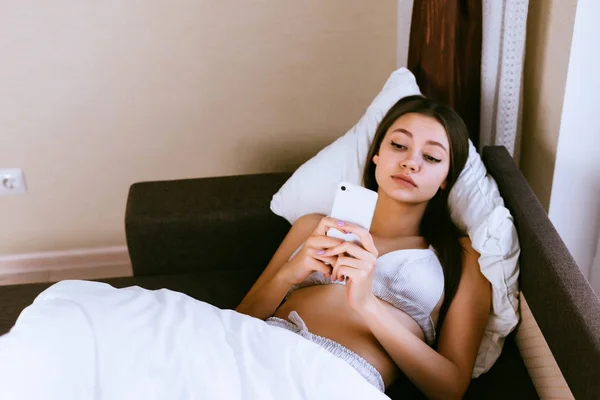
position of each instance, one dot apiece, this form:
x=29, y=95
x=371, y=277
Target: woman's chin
x=402, y=195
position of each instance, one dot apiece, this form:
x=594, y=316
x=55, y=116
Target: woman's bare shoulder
x=468, y=250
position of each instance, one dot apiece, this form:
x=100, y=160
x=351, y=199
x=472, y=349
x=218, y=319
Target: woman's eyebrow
x=407, y=133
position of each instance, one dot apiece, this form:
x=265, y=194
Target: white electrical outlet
x=12, y=182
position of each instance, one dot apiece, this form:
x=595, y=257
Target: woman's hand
x=311, y=256
x=357, y=264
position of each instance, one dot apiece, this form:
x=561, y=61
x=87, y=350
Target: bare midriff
x=325, y=310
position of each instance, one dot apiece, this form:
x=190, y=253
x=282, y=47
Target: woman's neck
x=393, y=219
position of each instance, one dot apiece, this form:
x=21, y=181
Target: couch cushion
x=192, y=225
x=507, y=379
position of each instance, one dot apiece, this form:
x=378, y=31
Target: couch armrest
x=561, y=299
x=199, y=224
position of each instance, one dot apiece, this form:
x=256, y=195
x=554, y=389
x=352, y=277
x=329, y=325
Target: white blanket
x=86, y=340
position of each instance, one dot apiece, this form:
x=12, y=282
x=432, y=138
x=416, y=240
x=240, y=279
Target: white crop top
x=411, y=280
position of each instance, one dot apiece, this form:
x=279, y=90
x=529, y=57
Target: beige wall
x=98, y=95
x=549, y=35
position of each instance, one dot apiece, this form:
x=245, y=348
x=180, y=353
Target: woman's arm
x=442, y=374
x=445, y=373
x=264, y=300
x=270, y=288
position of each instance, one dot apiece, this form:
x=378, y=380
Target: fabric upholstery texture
x=564, y=305
x=203, y=224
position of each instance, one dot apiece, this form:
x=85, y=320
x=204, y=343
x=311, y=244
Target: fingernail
x=321, y=252
x=340, y=223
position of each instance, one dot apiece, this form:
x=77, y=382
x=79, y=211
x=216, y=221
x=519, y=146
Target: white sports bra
x=412, y=280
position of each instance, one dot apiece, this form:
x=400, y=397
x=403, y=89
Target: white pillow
x=475, y=206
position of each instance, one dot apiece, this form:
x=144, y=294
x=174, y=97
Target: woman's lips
x=403, y=181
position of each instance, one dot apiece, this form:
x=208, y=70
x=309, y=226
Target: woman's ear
x=375, y=159
x=443, y=185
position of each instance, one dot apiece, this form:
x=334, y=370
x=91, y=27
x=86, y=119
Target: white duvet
x=87, y=340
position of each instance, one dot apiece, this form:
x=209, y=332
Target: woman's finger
x=351, y=262
x=352, y=249
x=334, y=268
x=349, y=272
x=329, y=261
x=324, y=269
x=365, y=237
x=344, y=261
x=322, y=242
x=321, y=254
x=326, y=223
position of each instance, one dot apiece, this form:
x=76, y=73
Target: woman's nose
x=410, y=163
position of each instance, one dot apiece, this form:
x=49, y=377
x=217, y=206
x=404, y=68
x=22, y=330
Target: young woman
x=411, y=297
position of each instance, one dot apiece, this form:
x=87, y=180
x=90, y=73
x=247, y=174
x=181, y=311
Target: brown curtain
x=445, y=55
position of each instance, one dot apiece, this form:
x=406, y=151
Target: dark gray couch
x=211, y=238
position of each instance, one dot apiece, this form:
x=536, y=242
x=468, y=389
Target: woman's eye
x=425, y=156
x=431, y=159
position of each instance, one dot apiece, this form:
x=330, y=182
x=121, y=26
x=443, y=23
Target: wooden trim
x=541, y=365
x=69, y=259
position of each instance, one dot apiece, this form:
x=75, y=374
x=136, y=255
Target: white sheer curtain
x=502, y=56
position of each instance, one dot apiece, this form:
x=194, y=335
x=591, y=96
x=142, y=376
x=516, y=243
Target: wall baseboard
x=85, y=260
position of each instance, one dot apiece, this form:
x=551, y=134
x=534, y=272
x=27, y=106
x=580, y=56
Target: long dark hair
x=436, y=226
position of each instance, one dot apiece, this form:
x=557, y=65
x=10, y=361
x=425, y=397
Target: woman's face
x=413, y=159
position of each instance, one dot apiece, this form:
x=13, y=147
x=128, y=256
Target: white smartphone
x=355, y=204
